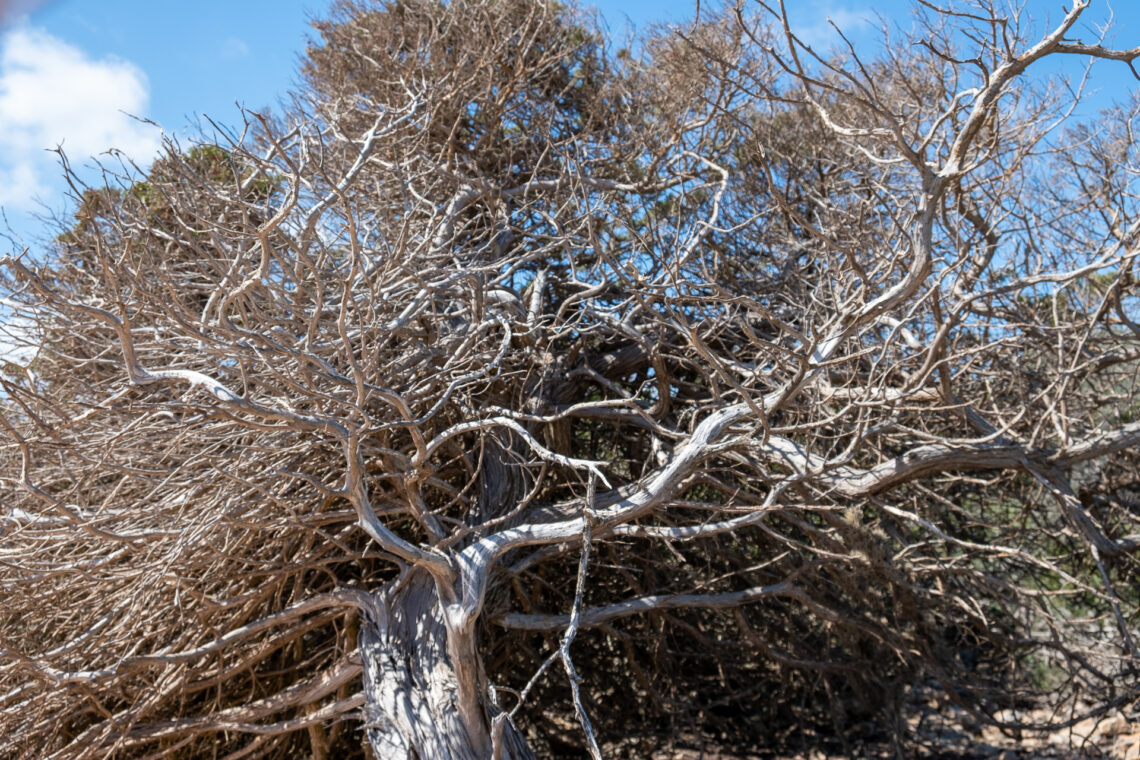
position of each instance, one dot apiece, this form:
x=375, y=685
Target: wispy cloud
x=12, y=10
x=817, y=23
x=52, y=93
x=234, y=47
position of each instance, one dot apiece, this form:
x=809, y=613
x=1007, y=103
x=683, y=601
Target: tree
x=501, y=356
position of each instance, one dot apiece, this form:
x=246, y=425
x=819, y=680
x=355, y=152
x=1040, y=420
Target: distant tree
x=511, y=395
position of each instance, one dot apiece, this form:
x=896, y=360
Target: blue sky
x=72, y=70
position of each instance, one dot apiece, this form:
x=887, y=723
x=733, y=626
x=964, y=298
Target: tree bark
x=425, y=690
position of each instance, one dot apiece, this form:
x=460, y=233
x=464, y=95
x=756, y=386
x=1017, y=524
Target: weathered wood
x=425, y=690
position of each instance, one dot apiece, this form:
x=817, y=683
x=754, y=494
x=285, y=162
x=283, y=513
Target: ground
x=1114, y=736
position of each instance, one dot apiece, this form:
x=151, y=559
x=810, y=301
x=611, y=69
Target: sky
x=92, y=75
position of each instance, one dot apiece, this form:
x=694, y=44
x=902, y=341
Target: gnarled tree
x=505, y=372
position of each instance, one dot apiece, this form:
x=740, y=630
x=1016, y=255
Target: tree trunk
x=425, y=690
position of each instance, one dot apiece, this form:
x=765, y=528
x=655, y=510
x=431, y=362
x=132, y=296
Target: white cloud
x=816, y=28
x=52, y=93
x=15, y=9
x=16, y=343
x=234, y=47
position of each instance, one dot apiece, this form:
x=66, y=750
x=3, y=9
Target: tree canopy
x=512, y=395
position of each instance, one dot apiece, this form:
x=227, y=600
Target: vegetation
x=510, y=396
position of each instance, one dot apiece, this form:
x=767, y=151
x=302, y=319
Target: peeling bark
x=425, y=689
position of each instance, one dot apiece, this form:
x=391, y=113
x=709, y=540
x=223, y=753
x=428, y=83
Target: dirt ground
x=952, y=735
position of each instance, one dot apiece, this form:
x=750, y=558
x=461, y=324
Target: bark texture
x=418, y=703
